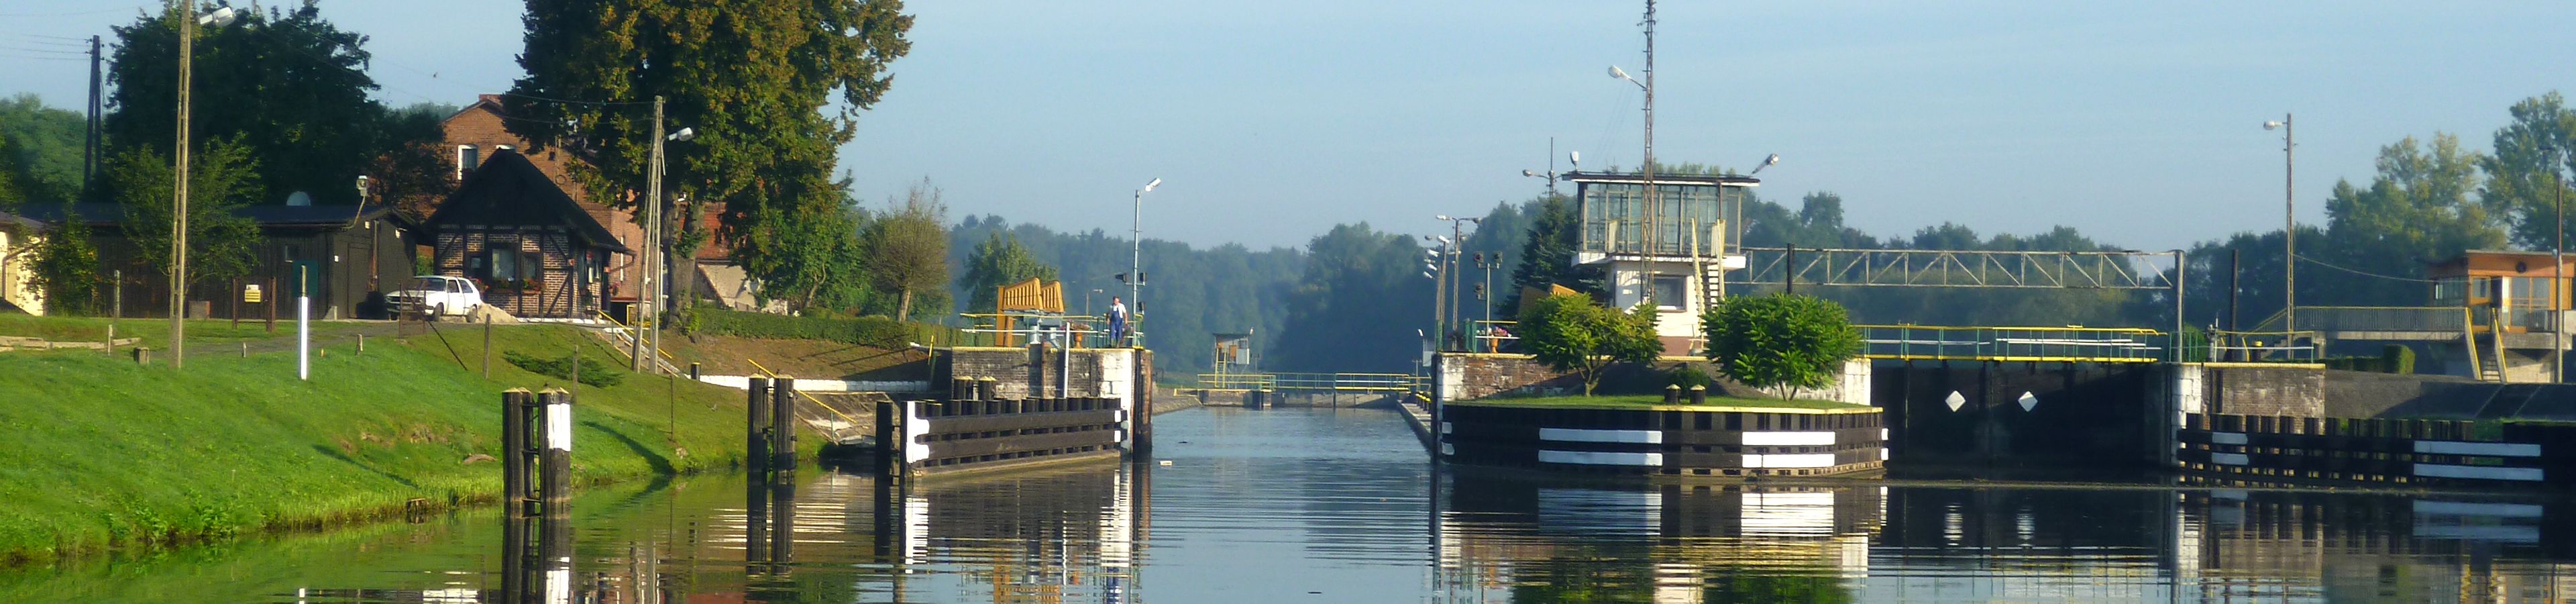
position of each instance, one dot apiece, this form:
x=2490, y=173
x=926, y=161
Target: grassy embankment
x=106, y=454
x=1642, y=401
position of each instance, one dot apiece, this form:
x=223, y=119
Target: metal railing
x=2264, y=346
x=625, y=335
x=1491, y=335
x=1046, y=326
x=2442, y=321
x=840, y=432
x=2054, y=344
x=1340, y=382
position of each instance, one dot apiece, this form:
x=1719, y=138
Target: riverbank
x=107, y=454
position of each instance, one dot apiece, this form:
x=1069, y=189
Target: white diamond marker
x=1955, y=400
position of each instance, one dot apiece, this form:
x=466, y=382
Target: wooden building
x=536, y=252
x=350, y=254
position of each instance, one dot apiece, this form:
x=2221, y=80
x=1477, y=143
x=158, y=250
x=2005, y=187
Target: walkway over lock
x=1314, y=382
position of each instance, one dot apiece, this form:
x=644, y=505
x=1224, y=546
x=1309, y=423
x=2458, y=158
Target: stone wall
x=2260, y=390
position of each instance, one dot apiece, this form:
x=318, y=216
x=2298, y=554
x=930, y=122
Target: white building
x=1676, y=255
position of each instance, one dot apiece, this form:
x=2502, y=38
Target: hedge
x=877, y=332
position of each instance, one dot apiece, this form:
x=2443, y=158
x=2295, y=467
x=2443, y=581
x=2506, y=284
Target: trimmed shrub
x=2397, y=359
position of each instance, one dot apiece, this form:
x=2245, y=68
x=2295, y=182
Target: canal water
x=1296, y=505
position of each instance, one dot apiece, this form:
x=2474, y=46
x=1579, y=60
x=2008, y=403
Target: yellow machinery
x=1012, y=304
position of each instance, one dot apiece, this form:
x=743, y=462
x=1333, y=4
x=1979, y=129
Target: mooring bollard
x=782, y=425
x=694, y=373
x=556, y=475
x=1699, y=395
x=755, y=452
x=514, y=451
x=1672, y=394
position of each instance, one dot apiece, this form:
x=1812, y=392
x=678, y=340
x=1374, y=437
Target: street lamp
x=2289, y=226
x=188, y=22
x=1448, y=294
x=1550, y=175
x=1136, y=260
x=1647, y=168
x=1735, y=224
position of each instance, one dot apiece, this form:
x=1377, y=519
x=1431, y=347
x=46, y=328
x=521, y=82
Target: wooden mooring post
x=755, y=452
x=782, y=424
x=515, y=405
x=555, y=476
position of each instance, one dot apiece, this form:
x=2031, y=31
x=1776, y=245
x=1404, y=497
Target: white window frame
x=461, y=168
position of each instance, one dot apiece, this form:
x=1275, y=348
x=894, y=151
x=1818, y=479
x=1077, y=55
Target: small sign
x=250, y=293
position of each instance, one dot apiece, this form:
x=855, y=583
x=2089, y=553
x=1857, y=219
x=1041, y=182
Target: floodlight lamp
x=1574, y=157
x=684, y=134
x=1528, y=173
x=1149, y=187
x=221, y=17
x=2271, y=124
x=1441, y=217
x=1617, y=73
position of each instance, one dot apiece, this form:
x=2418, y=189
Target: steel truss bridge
x=2122, y=270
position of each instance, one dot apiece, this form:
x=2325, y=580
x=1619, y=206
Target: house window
x=467, y=158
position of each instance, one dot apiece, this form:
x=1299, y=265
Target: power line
x=44, y=50
x=83, y=41
x=2322, y=263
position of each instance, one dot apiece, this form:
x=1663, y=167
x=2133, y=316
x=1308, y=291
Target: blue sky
x=2137, y=122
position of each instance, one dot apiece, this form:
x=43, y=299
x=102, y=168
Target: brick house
x=536, y=252
x=479, y=131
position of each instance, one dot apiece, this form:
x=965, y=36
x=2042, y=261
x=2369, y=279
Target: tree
x=1547, y=252
x=1572, y=333
x=2421, y=207
x=815, y=261
x=997, y=262
x=414, y=178
x=771, y=88
x=1785, y=341
x=220, y=242
x=908, y=248
x=1357, y=304
x=2529, y=168
x=40, y=150
x=65, y=267
x=288, y=85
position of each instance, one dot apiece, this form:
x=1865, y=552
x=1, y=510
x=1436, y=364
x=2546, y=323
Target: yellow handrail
x=817, y=402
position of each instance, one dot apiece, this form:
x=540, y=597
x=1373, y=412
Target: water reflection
x=1290, y=505
x=1520, y=539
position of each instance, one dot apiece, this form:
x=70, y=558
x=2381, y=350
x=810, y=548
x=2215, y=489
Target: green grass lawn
x=105, y=454
x=1639, y=401
x=203, y=335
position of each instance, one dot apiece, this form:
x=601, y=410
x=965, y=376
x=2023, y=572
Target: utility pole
x=89, y=146
x=2289, y=224
x=179, y=194
x=2557, y=266
x=652, y=260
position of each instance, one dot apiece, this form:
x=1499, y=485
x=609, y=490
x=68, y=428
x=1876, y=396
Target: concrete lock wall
x=2034, y=414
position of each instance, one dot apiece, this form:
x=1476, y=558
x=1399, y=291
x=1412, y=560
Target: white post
x=303, y=325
